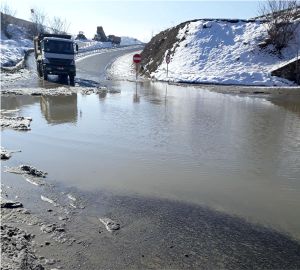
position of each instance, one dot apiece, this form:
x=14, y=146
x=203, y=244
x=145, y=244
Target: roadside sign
x=168, y=58
x=137, y=58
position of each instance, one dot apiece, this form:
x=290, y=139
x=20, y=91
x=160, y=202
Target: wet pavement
x=232, y=153
x=195, y=179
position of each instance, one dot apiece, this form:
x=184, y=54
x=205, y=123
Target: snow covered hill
x=13, y=49
x=216, y=51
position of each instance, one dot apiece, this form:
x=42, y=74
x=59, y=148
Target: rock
x=5, y=155
x=48, y=228
x=32, y=171
x=11, y=204
x=49, y=261
x=110, y=225
x=60, y=229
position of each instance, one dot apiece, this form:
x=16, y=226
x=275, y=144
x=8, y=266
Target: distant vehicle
x=114, y=39
x=55, y=54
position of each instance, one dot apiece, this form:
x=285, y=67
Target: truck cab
x=55, y=54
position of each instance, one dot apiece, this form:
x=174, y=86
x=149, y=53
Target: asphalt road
x=91, y=70
x=94, y=67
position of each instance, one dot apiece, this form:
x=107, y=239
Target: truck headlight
x=46, y=61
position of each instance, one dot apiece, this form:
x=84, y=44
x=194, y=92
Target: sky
x=138, y=19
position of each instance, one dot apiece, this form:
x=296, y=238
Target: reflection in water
x=290, y=103
x=59, y=109
x=102, y=95
x=17, y=102
x=136, y=97
x=237, y=154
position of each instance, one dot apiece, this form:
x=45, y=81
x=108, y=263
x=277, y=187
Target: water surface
x=237, y=154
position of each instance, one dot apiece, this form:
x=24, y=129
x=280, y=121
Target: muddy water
x=237, y=154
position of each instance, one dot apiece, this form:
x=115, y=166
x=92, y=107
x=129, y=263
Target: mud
x=47, y=228
x=17, y=250
x=155, y=234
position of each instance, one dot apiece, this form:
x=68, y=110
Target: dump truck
x=55, y=54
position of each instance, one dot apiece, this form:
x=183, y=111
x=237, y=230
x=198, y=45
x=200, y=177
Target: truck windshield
x=55, y=46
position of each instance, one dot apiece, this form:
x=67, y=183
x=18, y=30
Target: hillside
x=215, y=51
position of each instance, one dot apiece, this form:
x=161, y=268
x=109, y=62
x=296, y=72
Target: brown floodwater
x=236, y=154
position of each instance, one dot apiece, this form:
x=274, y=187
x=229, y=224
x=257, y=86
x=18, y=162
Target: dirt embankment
x=154, y=52
x=8, y=19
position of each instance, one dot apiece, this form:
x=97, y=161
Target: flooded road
x=236, y=154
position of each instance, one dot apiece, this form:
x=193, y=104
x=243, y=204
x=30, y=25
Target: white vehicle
x=55, y=54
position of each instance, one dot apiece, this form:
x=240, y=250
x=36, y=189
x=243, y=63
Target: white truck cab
x=55, y=54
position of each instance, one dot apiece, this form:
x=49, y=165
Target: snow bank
x=126, y=41
x=88, y=45
x=223, y=53
x=91, y=45
x=123, y=68
x=17, y=122
x=13, y=49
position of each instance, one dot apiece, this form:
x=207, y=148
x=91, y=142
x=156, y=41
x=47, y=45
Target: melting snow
x=223, y=52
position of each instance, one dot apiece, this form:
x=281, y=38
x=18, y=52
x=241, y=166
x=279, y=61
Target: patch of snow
x=7, y=77
x=54, y=91
x=13, y=49
x=123, y=68
x=91, y=45
x=126, y=41
x=110, y=225
x=42, y=91
x=48, y=200
x=223, y=53
x=16, y=122
x=6, y=154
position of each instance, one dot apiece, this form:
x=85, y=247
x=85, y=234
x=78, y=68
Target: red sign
x=137, y=58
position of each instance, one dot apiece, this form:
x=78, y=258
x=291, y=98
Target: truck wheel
x=72, y=79
x=39, y=69
x=63, y=78
x=45, y=75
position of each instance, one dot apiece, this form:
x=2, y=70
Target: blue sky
x=140, y=19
